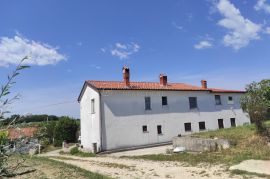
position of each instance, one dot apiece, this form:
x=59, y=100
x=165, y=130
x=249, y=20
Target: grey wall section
x=123, y=115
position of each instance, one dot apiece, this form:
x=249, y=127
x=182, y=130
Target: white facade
x=120, y=114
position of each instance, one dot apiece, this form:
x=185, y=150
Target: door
x=233, y=122
x=220, y=124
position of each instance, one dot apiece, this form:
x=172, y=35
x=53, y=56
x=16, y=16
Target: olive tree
x=256, y=102
x=5, y=101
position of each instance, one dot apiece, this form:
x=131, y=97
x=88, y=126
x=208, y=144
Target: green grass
x=245, y=144
x=49, y=168
x=76, y=152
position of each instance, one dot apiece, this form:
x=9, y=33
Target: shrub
x=65, y=130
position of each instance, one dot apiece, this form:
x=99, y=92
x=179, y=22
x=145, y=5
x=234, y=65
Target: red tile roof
x=119, y=85
x=15, y=133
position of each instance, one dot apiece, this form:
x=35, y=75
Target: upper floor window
x=193, y=102
x=147, y=101
x=230, y=100
x=144, y=128
x=217, y=99
x=92, y=106
x=164, y=101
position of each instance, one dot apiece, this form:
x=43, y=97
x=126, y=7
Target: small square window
x=230, y=98
x=147, y=101
x=217, y=99
x=202, y=126
x=193, y=102
x=187, y=127
x=144, y=128
x=164, y=101
x=159, y=129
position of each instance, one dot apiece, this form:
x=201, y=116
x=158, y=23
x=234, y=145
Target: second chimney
x=204, y=84
x=163, y=80
x=126, y=75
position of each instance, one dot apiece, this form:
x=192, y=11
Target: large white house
x=122, y=114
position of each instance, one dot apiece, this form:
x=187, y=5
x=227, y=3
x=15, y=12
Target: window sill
x=202, y=129
x=145, y=132
x=160, y=134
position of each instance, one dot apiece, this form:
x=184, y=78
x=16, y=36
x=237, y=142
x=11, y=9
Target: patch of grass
x=250, y=174
x=76, y=152
x=50, y=148
x=246, y=144
x=49, y=168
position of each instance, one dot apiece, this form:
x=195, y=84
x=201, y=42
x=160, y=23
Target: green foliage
x=75, y=151
x=65, y=130
x=257, y=103
x=247, y=145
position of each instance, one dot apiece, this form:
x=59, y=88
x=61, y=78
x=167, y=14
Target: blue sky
x=225, y=42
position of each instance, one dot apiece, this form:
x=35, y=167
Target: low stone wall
x=199, y=144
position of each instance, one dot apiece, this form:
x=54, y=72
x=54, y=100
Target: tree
x=256, y=102
x=5, y=101
x=65, y=130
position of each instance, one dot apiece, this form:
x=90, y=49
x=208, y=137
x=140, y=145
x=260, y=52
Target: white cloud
x=203, y=45
x=96, y=67
x=123, y=51
x=262, y=5
x=103, y=50
x=177, y=26
x=241, y=30
x=12, y=50
x=267, y=30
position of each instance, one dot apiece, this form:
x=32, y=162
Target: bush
x=65, y=130
x=75, y=151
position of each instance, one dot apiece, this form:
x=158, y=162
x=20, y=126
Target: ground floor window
x=159, y=129
x=187, y=127
x=144, y=128
x=202, y=126
x=220, y=124
x=233, y=124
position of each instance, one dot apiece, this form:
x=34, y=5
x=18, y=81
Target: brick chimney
x=204, y=84
x=126, y=75
x=163, y=80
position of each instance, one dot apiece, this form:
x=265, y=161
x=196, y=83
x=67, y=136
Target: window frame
x=219, y=127
x=186, y=123
x=230, y=101
x=216, y=100
x=159, y=130
x=190, y=103
x=203, y=125
x=233, y=122
x=147, y=106
x=143, y=129
x=165, y=100
x=93, y=111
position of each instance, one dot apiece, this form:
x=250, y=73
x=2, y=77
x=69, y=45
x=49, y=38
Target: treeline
x=30, y=119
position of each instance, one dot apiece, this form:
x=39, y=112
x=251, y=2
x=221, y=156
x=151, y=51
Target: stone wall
x=199, y=144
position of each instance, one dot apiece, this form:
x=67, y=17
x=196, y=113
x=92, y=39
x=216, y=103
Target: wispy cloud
x=240, y=30
x=203, y=45
x=123, y=51
x=267, y=30
x=262, y=5
x=12, y=50
x=96, y=67
x=177, y=26
x=79, y=44
x=103, y=50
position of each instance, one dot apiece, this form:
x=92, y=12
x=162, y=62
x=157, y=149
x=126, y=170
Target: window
x=144, y=128
x=147, y=103
x=164, y=101
x=187, y=127
x=193, y=102
x=218, y=99
x=230, y=100
x=159, y=130
x=220, y=124
x=92, y=106
x=233, y=124
x=202, y=126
